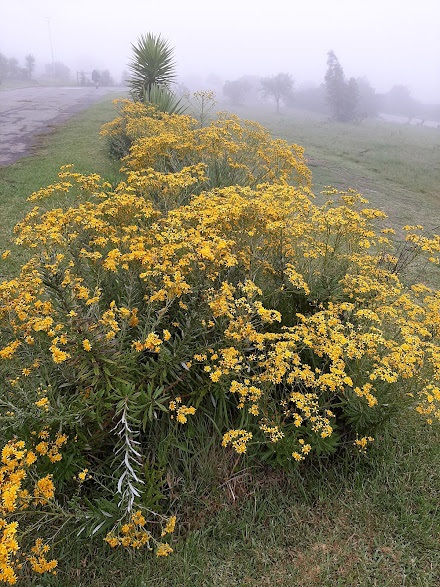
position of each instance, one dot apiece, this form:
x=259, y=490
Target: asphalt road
x=26, y=113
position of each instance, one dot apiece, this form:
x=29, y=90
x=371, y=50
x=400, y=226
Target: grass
x=374, y=522
x=396, y=166
x=76, y=141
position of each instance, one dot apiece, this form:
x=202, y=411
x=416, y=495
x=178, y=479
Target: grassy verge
x=374, y=522
x=76, y=141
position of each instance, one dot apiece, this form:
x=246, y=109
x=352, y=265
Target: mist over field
x=390, y=43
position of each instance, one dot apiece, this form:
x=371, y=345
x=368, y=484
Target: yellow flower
x=58, y=355
x=138, y=519
x=86, y=344
x=170, y=526
x=44, y=489
x=38, y=560
x=112, y=540
x=163, y=549
x=82, y=475
x=43, y=403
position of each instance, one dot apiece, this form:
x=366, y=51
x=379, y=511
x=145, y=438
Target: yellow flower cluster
x=38, y=560
x=238, y=439
x=173, y=151
x=180, y=411
x=362, y=443
x=135, y=535
x=16, y=461
x=8, y=549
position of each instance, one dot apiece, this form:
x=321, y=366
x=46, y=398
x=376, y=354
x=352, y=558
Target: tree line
x=12, y=70
x=345, y=100
x=10, y=67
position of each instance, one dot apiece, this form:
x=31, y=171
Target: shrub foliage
x=207, y=291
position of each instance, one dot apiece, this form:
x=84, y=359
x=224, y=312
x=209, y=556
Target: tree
x=351, y=100
x=30, y=65
x=152, y=65
x=236, y=90
x=335, y=85
x=153, y=71
x=3, y=66
x=13, y=68
x=279, y=87
x=368, y=105
x=106, y=78
x=399, y=101
x=96, y=76
x=57, y=70
x=342, y=96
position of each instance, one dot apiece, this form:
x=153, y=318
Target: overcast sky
x=388, y=41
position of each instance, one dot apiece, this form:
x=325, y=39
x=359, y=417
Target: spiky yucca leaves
x=152, y=65
x=165, y=100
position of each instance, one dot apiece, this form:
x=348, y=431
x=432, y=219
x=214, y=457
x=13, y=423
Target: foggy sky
x=388, y=41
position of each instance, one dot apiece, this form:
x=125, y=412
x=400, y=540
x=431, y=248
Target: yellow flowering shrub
x=21, y=490
x=172, y=157
x=207, y=288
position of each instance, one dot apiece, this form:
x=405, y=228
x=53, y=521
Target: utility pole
x=50, y=41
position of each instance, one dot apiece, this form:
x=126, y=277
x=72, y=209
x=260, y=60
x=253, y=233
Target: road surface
x=26, y=113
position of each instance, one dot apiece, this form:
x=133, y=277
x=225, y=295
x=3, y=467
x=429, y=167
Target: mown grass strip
x=76, y=141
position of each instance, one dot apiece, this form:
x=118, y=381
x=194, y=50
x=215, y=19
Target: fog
x=388, y=41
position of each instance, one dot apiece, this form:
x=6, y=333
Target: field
x=370, y=522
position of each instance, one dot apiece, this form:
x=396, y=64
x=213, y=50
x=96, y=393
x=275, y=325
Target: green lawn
x=396, y=166
x=372, y=522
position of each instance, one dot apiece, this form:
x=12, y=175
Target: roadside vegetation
x=229, y=381
x=78, y=141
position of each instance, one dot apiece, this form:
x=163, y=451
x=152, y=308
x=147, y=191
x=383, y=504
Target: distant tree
x=399, y=101
x=342, y=96
x=368, y=104
x=3, y=66
x=30, y=65
x=96, y=76
x=106, y=79
x=57, y=70
x=124, y=78
x=13, y=68
x=335, y=85
x=278, y=87
x=152, y=66
x=236, y=90
x=351, y=100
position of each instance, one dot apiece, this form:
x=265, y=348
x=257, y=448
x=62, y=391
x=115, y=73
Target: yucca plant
x=152, y=65
x=164, y=99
